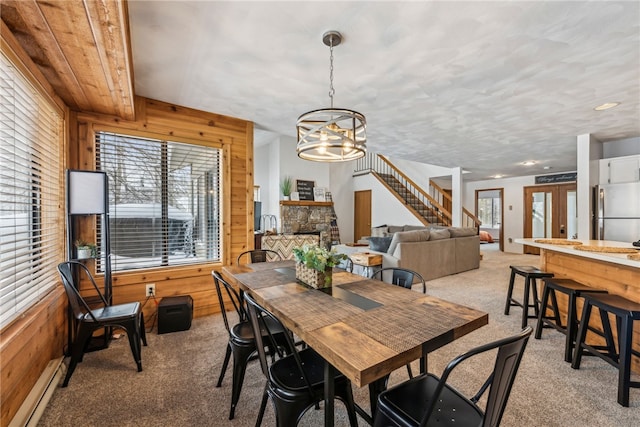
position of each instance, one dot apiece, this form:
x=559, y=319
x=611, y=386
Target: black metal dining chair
x=295, y=382
x=259, y=255
x=127, y=316
x=427, y=400
x=401, y=277
x=242, y=342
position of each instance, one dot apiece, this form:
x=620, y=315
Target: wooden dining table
x=364, y=328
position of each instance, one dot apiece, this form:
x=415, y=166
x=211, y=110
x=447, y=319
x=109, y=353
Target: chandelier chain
x=332, y=91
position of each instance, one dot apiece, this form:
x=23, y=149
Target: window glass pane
x=164, y=206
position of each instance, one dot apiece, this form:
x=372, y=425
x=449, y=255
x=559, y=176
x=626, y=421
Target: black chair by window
x=127, y=316
x=429, y=400
x=259, y=255
x=242, y=342
x=401, y=277
x=294, y=382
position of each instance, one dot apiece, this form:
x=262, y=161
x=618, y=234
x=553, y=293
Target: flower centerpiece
x=314, y=265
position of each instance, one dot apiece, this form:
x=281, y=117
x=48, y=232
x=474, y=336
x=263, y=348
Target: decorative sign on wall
x=559, y=177
x=305, y=189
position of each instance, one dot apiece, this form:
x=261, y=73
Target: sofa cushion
x=380, y=244
x=413, y=227
x=462, y=231
x=407, y=236
x=439, y=234
x=395, y=228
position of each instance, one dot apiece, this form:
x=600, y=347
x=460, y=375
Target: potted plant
x=314, y=265
x=84, y=249
x=286, y=187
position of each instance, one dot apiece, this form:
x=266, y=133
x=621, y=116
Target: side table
x=367, y=260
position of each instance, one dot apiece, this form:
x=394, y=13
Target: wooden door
x=361, y=214
x=550, y=212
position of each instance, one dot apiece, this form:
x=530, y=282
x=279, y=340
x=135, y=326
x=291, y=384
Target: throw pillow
x=462, y=231
x=380, y=244
x=380, y=231
x=439, y=234
x=407, y=236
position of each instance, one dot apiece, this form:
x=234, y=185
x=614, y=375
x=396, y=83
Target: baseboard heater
x=34, y=405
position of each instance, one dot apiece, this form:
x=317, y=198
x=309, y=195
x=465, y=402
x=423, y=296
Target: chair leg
x=134, y=342
x=625, y=337
x=346, y=395
x=143, y=332
x=82, y=337
x=582, y=334
x=241, y=357
x=225, y=364
x=543, y=310
x=263, y=406
x=507, y=305
x=525, y=302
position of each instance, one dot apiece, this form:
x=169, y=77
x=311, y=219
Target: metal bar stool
x=573, y=290
x=530, y=275
x=626, y=312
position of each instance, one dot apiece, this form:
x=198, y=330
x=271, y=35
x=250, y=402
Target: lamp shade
x=331, y=135
x=86, y=192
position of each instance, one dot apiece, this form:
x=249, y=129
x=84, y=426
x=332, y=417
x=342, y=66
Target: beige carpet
x=177, y=386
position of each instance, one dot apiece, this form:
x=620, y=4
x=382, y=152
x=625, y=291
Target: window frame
x=222, y=144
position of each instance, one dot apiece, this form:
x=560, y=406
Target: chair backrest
x=79, y=306
x=234, y=298
x=257, y=315
x=260, y=255
x=401, y=277
x=500, y=381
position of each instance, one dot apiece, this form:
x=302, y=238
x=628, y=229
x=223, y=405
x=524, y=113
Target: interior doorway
x=361, y=214
x=489, y=209
x=550, y=212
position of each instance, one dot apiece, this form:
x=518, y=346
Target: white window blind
x=164, y=201
x=31, y=194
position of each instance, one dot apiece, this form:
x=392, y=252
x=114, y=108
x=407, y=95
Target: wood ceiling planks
x=82, y=48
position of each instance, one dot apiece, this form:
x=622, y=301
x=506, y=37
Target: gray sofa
x=431, y=251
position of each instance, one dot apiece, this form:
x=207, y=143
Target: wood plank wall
x=157, y=119
x=29, y=343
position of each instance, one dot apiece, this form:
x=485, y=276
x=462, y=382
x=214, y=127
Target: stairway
x=427, y=206
x=426, y=212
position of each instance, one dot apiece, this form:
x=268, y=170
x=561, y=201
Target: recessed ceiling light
x=498, y=176
x=606, y=106
x=546, y=167
x=528, y=163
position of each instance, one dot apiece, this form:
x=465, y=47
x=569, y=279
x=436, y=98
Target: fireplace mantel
x=304, y=203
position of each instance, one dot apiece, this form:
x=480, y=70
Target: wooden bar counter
x=614, y=272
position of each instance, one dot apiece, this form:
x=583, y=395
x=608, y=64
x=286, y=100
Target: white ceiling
x=480, y=85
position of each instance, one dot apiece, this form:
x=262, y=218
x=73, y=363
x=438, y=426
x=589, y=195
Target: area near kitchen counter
x=614, y=272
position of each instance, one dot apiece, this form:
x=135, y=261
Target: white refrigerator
x=618, y=212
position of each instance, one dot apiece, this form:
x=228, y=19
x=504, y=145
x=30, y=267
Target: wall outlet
x=151, y=289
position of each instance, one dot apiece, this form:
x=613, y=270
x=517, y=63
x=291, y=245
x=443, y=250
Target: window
x=164, y=201
x=31, y=194
x=489, y=211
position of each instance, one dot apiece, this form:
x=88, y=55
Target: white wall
x=277, y=159
x=513, y=215
x=623, y=147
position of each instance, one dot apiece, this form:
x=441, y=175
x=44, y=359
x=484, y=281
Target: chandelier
x=331, y=134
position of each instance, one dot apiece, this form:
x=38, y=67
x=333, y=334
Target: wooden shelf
x=304, y=203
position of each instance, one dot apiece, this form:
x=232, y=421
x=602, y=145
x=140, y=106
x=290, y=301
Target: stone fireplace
x=307, y=217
